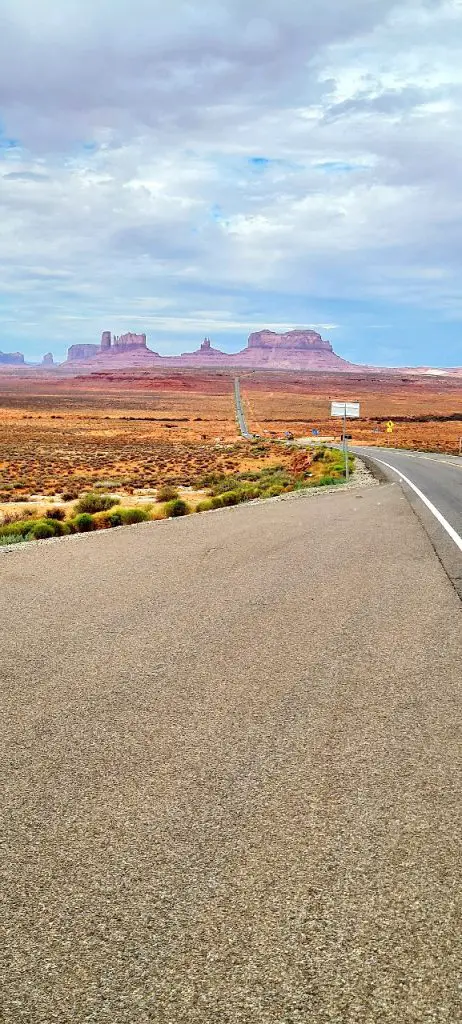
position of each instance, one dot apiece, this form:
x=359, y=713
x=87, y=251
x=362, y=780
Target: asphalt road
x=439, y=478
x=229, y=770
x=240, y=411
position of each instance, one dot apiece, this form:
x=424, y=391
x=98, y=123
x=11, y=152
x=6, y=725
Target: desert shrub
x=251, y=475
x=60, y=529
x=227, y=499
x=166, y=493
x=227, y=483
x=19, y=529
x=92, y=502
x=133, y=515
x=175, y=508
x=249, y=492
x=69, y=495
x=326, y=481
x=83, y=522
x=205, y=505
x=271, y=470
x=102, y=520
x=41, y=530
x=320, y=454
x=55, y=513
x=115, y=517
x=17, y=517
x=273, y=491
x=208, y=480
x=11, y=538
x=231, y=498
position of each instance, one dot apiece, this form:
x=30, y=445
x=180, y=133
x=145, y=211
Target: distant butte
x=294, y=350
x=12, y=358
x=302, y=349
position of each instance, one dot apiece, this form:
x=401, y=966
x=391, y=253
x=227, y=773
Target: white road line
x=444, y=523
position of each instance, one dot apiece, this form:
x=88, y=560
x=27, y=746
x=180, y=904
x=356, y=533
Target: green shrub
x=176, y=508
x=166, y=493
x=230, y=498
x=205, y=505
x=133, y=515
x=249, y=475
x=115, y=517
x=20, y=529
x=248, y=493
x=35, y=528
x=227, y=483
x=326, y=481
x=273, y=491
x=41, y=530
x=11, y=538
x=82, y=523
x=92, y=502
x=102, y=520
x=60, y=529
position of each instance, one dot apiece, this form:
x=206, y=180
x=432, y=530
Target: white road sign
x=348, y=409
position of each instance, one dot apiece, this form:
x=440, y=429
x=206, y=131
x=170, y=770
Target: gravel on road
x=230, y=771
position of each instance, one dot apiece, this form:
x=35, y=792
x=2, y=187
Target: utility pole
x=345, y=447
x=342, y=410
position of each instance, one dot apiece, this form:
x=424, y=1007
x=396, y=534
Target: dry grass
x=301, y=403
x=132, y=432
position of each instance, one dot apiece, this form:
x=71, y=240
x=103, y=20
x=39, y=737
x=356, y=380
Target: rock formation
x=48, y=359
x=297, y=350
x=305, y=341
x=12, y=358
x=205, y=353
x=82, y=352
x=127, y=342
x=110, y=347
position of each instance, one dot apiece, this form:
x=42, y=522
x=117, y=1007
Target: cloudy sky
x=215, y=166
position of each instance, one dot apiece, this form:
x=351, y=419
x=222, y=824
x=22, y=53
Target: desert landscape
x=140, y=429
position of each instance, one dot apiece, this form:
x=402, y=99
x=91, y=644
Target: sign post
x=346, y=410
x=390, y=429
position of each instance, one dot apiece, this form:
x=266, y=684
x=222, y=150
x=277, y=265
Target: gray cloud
x=138, y=125
x=119, y=66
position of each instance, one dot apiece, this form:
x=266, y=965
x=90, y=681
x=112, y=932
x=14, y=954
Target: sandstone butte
x=294, y=350
x=302, y=349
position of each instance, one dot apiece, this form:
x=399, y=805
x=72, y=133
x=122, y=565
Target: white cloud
x=132, y=192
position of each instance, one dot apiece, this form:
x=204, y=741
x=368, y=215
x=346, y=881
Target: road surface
x=229, y=768
x=240, y=411
x=439, y=479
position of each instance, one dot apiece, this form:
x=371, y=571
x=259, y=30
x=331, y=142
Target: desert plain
x=134, y=430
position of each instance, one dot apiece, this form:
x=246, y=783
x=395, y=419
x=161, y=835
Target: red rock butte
x=294, y=350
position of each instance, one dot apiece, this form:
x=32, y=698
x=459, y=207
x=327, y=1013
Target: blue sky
x=215, y=168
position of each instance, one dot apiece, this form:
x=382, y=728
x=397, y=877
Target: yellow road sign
x=390, y=427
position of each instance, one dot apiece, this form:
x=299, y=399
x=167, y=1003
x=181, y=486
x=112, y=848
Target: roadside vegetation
x=297, y=469
x=324, y=467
